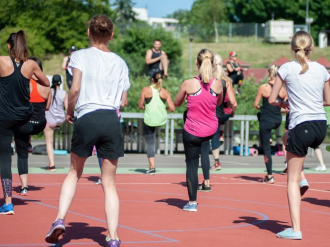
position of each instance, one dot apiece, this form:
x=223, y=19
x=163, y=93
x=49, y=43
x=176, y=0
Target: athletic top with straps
x=68, y=75
x=155, y=111
x=201, y=117
x=38, y=102
x=270, y=113
x=234, y=66
x=220, y=108
x=15, y=95
x=155, y=55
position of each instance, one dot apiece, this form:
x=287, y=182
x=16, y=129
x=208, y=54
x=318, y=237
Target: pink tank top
x=201, y=118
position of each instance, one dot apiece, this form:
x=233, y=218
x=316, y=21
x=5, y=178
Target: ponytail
x=158, y=80
x=205, y=61
x=301, y=44
x=272, y=71
x=18, y=46
x=56, y=81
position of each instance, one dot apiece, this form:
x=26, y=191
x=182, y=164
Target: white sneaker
x=99, y=181
x=320, y=168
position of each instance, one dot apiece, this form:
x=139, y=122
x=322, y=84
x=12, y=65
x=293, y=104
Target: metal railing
x=132, y=128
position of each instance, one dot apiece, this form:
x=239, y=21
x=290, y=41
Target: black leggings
x=237, y=79
x=150, y=139
x=7, y=128
x=192, y=147
x=265, y=129
x=21, y=136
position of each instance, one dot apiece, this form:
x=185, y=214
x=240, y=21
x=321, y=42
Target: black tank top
x=220, y=108
x=68, y=75
x=234, y=66
x=156, y=64
x=270, y=113
x=15, y=95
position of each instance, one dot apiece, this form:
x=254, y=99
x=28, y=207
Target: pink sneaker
x=216, y=166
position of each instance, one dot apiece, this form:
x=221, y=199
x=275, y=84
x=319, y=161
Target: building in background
x=167, y=23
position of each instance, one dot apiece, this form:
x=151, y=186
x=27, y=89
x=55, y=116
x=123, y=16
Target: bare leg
x=108, y=171
x=151, y=162
x=69, y=185
x=216, y=153
x=284, y=140
x=295, y=164
x=24, y=180
x=319, y=156
x=164, y=62
x=49, y=133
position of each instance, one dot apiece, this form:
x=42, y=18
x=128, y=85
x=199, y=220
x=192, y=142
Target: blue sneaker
x=7, y=209
x=190, y=207
x=304, y=186
x=57, y=229
x=289, y=234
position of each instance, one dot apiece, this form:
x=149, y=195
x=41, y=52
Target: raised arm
x=275, y=92
x=149, y=59
x=74, y=94
x=181, y=95
x=64, y=63
x=169, y=102
x=40, y=76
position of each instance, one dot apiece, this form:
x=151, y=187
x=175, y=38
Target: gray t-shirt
x=56, y=114
x=305, y=91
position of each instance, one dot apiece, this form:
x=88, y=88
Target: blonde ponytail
x=301, y=44
x=205, y=61
x=272, y=71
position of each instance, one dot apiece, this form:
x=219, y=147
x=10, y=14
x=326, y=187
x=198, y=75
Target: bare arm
x=275, y=92
x=40, y=76
x=65, y=61
x=231, y=95
x=124, y=101
x=142, y=99
x=181, y=95
x=258, y=98
x=326, y=94
x=150, y=60
x=229, y=68
x=74, y=94
x=66, y=102
x=169, y=102
x=48, y=100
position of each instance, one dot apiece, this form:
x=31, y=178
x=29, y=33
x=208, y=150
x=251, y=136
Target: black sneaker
x=151, y=171
x=204, y=188
x=24, y=191
x=268, y=180
x=238, y=91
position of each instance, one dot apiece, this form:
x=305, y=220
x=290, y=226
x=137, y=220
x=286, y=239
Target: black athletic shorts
x=100, y=128
x=305, y=135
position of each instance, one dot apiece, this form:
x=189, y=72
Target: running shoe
x=7, y=209
x=221, y=138
x=304, y=186
x=30, y=148
x=57, y=229
x=112, y=242
x=99, y=181
x=285, y=170
x=190, y=207
x=204, y=188
x=289, y=234
x=216, y=166
x=320, y=168
x=151, y=171
x=238, y=91
x=23, y=191
x=268, y=180
x=51, y=169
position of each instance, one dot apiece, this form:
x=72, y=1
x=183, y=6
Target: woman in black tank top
x=15, y=108
x=270, y=117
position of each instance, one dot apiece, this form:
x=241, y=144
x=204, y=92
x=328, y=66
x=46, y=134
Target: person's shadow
x=316, y=201
x=30, y=188
x=273, y=226
x=19, y=201
x=250, y=178
x=78, y=231
x=175, y=202
x=92, y=178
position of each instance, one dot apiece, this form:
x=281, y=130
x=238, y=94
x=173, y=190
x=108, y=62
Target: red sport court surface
x=238, y=212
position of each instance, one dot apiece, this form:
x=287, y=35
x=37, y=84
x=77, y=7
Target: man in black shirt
x=157, y=60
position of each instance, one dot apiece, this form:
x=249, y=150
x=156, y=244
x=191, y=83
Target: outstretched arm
x=181, y=95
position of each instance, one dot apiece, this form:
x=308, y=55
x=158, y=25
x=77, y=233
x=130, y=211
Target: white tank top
x=56, y=114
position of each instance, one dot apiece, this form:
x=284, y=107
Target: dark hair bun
x=101, y=27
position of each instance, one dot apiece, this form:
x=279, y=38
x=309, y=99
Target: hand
x=69, y=118
x=285, y=105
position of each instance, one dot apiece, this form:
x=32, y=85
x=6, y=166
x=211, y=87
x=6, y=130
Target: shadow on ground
x=250, y=178
x=19, y=201
x=80, y=231
x=318, y=202
x=273, y=226
x=31, y=188
x=175, y=202
x=139, y=170
x=92, y=178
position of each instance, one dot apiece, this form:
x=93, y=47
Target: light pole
x=191, y=38
x=307, y=8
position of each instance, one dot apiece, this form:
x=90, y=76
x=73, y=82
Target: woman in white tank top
x=55, y=116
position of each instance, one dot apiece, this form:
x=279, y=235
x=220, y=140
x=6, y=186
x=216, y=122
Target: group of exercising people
x=99, y=88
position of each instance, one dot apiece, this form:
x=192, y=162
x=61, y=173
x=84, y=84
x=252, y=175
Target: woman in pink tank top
x=203, y=94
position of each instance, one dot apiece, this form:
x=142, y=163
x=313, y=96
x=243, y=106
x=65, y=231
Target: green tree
x=182, y=15
x=209, y=13
x=52, y=26
x=124, y=9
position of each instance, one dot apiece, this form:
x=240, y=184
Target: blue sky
x=160, y=8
